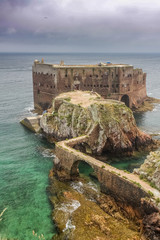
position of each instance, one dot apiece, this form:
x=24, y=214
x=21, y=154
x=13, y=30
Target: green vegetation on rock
x=109, y=124
x=150, y=169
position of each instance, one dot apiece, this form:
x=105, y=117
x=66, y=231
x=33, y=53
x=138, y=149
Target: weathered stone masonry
x=121, y=185
x=116, y=81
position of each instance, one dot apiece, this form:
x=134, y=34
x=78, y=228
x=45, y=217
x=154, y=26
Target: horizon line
x=23, y=52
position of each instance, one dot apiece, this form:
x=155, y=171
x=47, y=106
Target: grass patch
x=136, y=183
x=150, y=194
x=124, y=177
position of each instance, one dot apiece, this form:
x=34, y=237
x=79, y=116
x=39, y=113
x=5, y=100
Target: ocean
x=25, y=158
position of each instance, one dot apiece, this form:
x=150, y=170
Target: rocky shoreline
x=147, y=105
x=81, y=211
x=150, y=169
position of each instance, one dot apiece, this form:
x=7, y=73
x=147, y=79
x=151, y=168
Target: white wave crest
x=93, y=186
x=69, y=225
x=70, y=207
x=78, y=186
x=29, y=108
x=47, y=153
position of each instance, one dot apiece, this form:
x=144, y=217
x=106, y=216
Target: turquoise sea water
x=24, y=160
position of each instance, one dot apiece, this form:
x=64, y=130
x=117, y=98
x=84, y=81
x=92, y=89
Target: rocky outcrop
x=109, y=124
x=150, y=169
x=151, y=226
x=81, y=211
x=32, y=123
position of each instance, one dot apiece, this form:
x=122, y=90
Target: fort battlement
x=115, y=81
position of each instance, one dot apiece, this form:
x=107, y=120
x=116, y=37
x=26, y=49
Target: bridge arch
x=81, y=166
x=126, y=100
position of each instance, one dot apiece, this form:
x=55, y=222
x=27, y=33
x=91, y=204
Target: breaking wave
x=69, y=226
x=70, y=207
x=47, y=153
x=78, y=186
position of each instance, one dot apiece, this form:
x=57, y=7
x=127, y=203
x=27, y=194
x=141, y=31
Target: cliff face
x=109, y=124
x=150, y=169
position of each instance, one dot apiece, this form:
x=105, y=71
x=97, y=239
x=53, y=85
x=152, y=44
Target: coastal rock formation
x=32, y=123
x=81, y=211
x=150, y=169
x=109, y=124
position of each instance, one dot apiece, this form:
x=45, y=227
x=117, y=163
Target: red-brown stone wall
x=111, y=82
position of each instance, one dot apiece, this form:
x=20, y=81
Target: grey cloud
x=78, y=23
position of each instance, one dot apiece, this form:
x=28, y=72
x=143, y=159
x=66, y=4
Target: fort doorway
x=125, y=99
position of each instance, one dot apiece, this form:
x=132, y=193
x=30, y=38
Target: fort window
x=90, y=75
x=84, y=85
x=96, y=76
x=94, y=85
x=97, y=85
x=116, y=75
x=66, y=75
x=107, y=86
x=47, y=86
x=100, y=85
x=88, y=85
x=38, y=91
x=102, y=76
x=54, y=75
x=51, y=86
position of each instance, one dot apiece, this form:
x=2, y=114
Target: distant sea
x=25, y=159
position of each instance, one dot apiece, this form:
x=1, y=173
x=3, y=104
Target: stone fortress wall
x=116, y=81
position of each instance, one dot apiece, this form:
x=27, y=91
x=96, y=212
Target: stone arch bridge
x=124, y=187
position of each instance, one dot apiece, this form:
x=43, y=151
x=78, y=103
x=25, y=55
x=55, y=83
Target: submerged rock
x=150, y=169
x=109, y=124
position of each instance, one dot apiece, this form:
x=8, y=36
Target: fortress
x=115, y=81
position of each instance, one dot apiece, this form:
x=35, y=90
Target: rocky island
x=109, y=124
x=86, y=125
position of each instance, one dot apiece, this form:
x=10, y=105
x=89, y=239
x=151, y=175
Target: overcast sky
x=80, y=25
